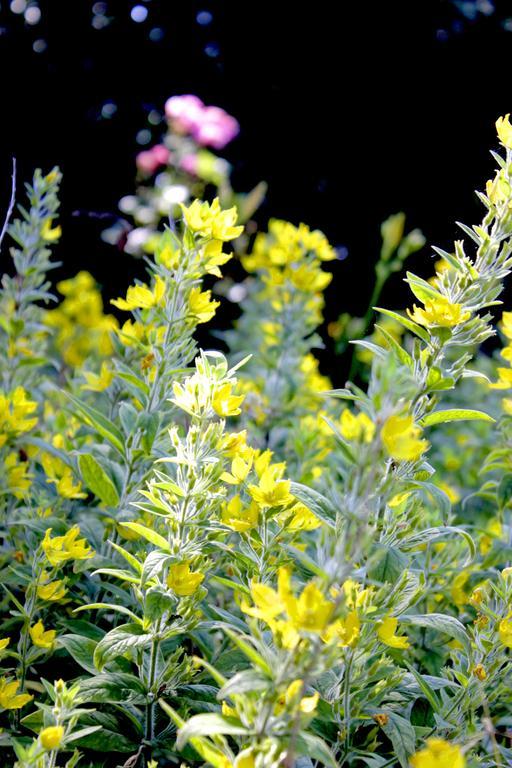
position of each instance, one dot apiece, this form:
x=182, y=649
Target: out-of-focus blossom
x=150, y=160
x=189, y=164
x=209, y=126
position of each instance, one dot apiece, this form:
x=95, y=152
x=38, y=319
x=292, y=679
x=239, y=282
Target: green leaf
x=439, y=622
x=112, y=687
x=109, y=607
x=409, y=324
x=249, y=651
x=315, y=502
x=149, y=534
x=81, y=649
x=401, y=734
x=397, y=349
x=205, y=748
x=439, y=532
x=504, y=491
x=209, y=724
x=117, y=642
x=454, y=414
x=316, y=748
x=95, y=419
x=97, y=480
x=387, y=564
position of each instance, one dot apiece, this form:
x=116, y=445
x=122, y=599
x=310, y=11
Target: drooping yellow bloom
x=359, y=427
x=53, y=591
x=239, y=517
x=386, y=633
x=400, y=436
x=50, y=234
x=439, y=753
x=182, y=580
x=98, y=382
x=41, y=637
x=51, y=737
x=439, y=312
x=209, y=220
x=224, y=403
x=67, y=547
x=201, y=305
x=9, y=698
x=142, y=296
x=505, y=631
x=272, y=491
x=504, y=130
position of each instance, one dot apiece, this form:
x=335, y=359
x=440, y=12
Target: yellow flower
x=142, y=296
x=209, y=220
x=505, y=631
x=358, y=427
x=292, y=697
x=238, y=517
x=201, y=306
x=245, y=759
x=14, y=410
x=346, y=631
x=50, y=234
x=302, y=518
x=9, y=698
x=271, y=491
x=18, y=477
x=439, y=312
x=386, y=633
x=182, y=580
x=504, y=379
x=268, y=603
x=310, y=611
x=4, y=642
x=239, y=471
x=504, y=130
x=401, y=440
x=224, y=403
x=98, y=383
x=41, y=637
x=480, y=672
x=459, y=595
x=439, y=753
x=67, y=547
x=53, y=591
x=61, y=475
x=51, y=737
x=131, y=333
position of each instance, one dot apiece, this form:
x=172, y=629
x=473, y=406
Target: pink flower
x=150, y=160
x=216, y=128
x=184, y=111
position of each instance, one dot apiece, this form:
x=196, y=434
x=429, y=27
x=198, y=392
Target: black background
x=349, y=110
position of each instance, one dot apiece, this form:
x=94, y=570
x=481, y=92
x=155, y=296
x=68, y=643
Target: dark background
x=349, y=110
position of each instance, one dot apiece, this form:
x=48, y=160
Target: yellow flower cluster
x=16, y=414
x=439, y=312
x=59, y=549
x=81, y=329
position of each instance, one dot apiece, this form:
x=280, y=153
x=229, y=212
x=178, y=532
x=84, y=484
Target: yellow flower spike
x=439, y=753
x=505, y=631
x=201, y=306
x=238, y=517
x=386, y=634
x=439, y=312
x=400, y=437
x=51, y=737
x=359, y=427
x=40, y=637
x=50, y=234
x=68, y=547
x=53, y=591
x=182, y=580
x=9, y=698
x=504, y=130
x=224, y=403
x=271, y=491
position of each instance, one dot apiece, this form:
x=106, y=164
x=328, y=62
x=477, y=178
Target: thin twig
x=11, y=202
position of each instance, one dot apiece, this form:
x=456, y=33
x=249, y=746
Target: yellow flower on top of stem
x=209, y=220
x=439, y=312
x=51, y=737
x=504, y=131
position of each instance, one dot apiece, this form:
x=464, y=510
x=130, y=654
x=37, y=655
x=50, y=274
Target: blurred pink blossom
x=150, y=160
x=189, y=164
x=209, y=126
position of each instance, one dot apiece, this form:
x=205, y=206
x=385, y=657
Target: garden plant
x=213, y=556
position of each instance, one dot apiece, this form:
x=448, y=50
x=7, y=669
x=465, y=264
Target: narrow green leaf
x=409, y=324
x=97, y=480
x=454, y=414
x=147, y=533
